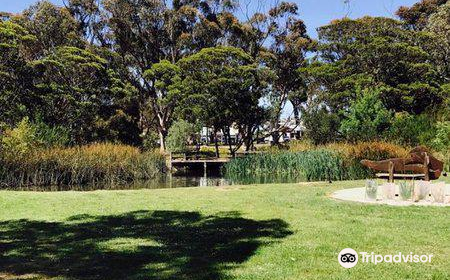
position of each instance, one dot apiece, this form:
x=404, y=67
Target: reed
x=93, y=164
x=339, y=161
x=312, y=165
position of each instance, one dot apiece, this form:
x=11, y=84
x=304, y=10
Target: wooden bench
x=391, y=175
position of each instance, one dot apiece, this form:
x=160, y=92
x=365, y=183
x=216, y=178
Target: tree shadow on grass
x=135, y=245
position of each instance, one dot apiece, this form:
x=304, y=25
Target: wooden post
x=170, y=161
x=205, y=165
x=426, y=170
x=391, y=172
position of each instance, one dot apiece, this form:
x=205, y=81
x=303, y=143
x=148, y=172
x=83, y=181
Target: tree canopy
x=126, y=70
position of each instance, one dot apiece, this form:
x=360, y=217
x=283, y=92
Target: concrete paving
x=359, y=195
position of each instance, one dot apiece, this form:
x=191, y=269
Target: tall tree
x=81, y=91
x=374, y=52
x=53, y=27
x=222, y=88
x=145, y=32
x=439, y=27
x=277, y=39
x=418, y=14
x=16, y=90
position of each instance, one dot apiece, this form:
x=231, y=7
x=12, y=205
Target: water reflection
x=181, y=179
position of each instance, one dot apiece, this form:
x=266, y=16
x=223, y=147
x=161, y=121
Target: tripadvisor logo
x=348, y=258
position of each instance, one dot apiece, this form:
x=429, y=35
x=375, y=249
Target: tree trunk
x=228, y=137
x=216, y=144
x=249, y=139
x=296, y=115
x=162, y=141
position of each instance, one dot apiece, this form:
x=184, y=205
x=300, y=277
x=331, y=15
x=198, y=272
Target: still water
x=190, y=178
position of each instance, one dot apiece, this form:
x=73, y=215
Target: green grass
x=254, y=232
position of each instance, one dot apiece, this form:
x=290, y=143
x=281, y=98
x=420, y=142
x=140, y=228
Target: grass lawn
x=291, y=231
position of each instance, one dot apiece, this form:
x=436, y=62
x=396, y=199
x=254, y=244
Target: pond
x=182, y=179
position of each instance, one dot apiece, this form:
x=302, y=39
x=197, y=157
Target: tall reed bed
x=312, y=165
x=93, y=164
x=331, y=162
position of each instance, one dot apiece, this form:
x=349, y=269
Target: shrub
x=179, y=134
x=321, y=126
x=27, y=136
x=20, y=140
x=366, y=119
x=411, y=130
x=93, y=164
x=51, y=136
x=441, y=142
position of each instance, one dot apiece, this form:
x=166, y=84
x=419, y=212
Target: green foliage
x=179, y=135
x=411, y=130
x=94, y=104
x=378, y=53
x=406, y=189
x=222, y=87
x=314, y=165
x=338, y=161
x=47, y=136
x=321, y=126
x=28, y=136
x=19, y=141
x=150, y=141
x=366, y=119
x=441, y=141
x=418, y=15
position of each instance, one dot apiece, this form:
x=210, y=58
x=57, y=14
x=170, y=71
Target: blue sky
x=315, y=13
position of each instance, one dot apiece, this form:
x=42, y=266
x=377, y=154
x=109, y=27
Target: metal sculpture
x=419, y=164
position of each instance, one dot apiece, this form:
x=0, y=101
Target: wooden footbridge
x=195, y=160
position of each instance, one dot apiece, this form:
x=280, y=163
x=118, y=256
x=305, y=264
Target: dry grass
x=92, y=164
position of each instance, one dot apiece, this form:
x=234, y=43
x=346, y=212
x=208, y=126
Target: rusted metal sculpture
x=420, y=164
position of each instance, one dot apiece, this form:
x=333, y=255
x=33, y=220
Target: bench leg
x=391, y=172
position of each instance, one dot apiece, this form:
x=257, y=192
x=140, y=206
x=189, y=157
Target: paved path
x=358, y=195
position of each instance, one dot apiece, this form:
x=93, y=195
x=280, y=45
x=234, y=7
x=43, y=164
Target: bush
x=321, y=126
x=367, y=118
x=27, y=136
x=441, y=142
x=51, y=136
x=94, y=164
x=178, y=137
x=411, y=130
x=20, y=140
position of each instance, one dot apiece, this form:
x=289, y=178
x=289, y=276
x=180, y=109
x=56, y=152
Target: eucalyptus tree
x=52, y=26
x=375, y=52
x=82, y=91
x=16, y=90
x=146, y=32
x=278, y=40
x=222, y=88
x=417, y=16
